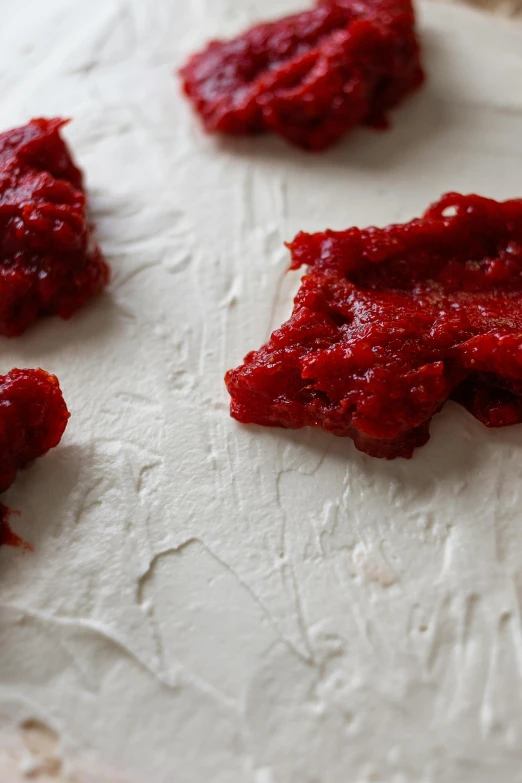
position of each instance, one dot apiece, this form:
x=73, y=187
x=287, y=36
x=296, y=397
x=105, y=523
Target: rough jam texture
x=33, y=417
x=312, y=76
x=389, y=323
x=49, y=262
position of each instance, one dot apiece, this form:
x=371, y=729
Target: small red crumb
x=309, y=77
x=49, y=262
x=390, y=323
x=33, y=417
x=7, y=536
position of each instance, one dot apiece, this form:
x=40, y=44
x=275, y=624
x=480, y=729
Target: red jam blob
x=309, y=77
x=33, y=417
x=390, y=323
x=49, y=262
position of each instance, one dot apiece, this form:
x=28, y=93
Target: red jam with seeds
x=49, y=262
x=390, y=323
x=309, y=77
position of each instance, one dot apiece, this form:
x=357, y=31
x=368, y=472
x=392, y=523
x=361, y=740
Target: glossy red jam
x=49, y=263
x=390, y=323
x=309, y=77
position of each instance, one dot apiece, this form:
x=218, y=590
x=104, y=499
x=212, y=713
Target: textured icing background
x=210, y=603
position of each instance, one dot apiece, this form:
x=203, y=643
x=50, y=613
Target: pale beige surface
x=511, y=8
x=34, y=753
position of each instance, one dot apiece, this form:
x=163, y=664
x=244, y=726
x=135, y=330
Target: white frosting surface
x=212, y=603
